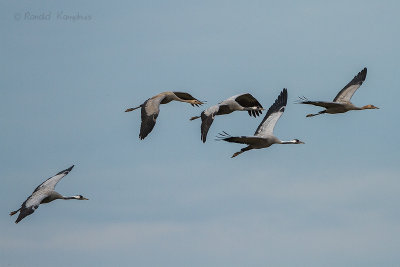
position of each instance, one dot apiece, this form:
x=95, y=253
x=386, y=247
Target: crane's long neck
x=72, y=197
x=356, y=108
x=288, y=142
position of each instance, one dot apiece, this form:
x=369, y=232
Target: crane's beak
x=84, y=198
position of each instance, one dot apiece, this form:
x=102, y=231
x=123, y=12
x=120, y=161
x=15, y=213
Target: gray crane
x=341, y=103
x=44, y=193
x=263, y=137
x=242, y=102
x=151, y=107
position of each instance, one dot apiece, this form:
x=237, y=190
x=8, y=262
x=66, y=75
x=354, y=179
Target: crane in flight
x=44, y=193
x=243, y=102
x=341, y=103
x=151, y=108
x=264, y=136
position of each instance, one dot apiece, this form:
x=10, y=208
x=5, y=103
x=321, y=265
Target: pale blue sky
x=171, y=200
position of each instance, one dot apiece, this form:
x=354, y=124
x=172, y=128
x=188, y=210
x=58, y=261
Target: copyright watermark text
x=53, y=16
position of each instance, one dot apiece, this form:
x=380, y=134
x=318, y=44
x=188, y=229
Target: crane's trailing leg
x=132, y=109
x=195, y=118
x=247, y=148
x=319, y=113
x=14, y=212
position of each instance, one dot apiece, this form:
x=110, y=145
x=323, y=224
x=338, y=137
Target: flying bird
x=263, y=137
x=341, y=103
x=151, y=107
x=44, y=193
x=245, y=102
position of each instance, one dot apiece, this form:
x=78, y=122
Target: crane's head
x=80, y=197
x=369, y=107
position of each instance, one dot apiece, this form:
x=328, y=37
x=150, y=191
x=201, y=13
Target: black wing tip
x=360, y=77
x=282, y=98
x=143, y=135
x=184, y=95
x=19, y=219
x=284, y=92
x=204, y=137
x=66, y=171
x=23, y=213
x=363, y=73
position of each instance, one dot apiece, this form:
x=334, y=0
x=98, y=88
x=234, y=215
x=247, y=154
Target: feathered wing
x=247, y=140
x=149, y=113
x=31, y=204
x=52, y=181
x=323, y=104
x=248, y=101
x=266, y=127
x=24, y=211
x=348, y=91
x=186, y=96
x=206, y=122
x=207, y=118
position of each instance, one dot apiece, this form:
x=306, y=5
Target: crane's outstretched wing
x=149, y=113
x=248, y=140
x=323, y=104
x=24, y=211
x=207, y=118
x=248, y=101
x=206, y=122
x=30, y=204
x=51, y=183
x=266, y=127
x=348, y=91
x=187, y=96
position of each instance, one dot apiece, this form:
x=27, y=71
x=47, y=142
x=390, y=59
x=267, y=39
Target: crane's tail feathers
x=194, y=118
x=13, y=212
x=132, y=109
